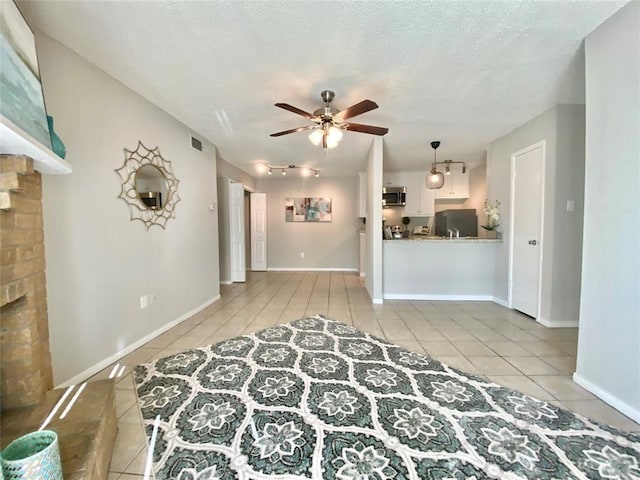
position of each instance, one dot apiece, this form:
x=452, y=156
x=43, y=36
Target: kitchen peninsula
x=422, y=268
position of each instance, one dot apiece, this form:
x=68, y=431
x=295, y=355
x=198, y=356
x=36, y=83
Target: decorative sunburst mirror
x=149, y=186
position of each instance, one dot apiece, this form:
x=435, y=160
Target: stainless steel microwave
x=394, y=196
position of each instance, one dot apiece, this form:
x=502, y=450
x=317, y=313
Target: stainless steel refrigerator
x=465, y=220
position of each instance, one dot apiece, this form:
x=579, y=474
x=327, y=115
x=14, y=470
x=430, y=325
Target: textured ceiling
x=464, y=72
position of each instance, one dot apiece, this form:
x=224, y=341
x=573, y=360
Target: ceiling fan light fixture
x=269, y=171
x=284, y=172
x=330, y=123
x=334, y=134
x=316, y=136
x=331, y=142
x=447, y=170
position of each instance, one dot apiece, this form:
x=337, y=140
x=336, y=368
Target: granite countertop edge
x=445, y=240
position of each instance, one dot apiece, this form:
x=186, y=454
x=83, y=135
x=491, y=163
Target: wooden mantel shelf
x=15, y=141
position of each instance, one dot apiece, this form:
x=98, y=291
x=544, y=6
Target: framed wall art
x=308, y=209
x=21, y=98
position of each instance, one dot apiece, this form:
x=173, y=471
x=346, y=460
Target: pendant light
x=435, y=179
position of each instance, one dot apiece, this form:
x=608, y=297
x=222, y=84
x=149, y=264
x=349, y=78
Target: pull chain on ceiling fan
x=329, y=122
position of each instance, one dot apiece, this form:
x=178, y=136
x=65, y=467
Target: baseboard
x=412, y=296
x=500, y=302
x=623, y=407
x=226, y=282
x=563, y=324
x=377, y=301
x=362, y=274
x=89, y=372
x=333, y=269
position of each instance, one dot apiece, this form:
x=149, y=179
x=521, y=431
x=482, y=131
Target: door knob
x=532, y=242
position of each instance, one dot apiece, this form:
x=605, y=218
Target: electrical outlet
x=571, y=205
x=143, y=302
x=301, y=254
x=152, y=298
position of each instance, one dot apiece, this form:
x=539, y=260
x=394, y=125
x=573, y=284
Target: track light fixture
x=435, y=179
x=305, y=171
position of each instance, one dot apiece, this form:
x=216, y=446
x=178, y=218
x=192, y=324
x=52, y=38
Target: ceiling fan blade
x=357, y=127
x=293, y=130
x=357, y=109
x=293, y=109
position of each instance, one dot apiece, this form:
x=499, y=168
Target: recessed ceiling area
x=462, y=72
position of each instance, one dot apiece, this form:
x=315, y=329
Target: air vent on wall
x=196, y=144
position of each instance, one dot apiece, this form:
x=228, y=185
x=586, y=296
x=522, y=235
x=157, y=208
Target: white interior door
x=236, y=230
x=527, y=170
x=259, y=232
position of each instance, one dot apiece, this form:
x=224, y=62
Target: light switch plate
x=571, y=205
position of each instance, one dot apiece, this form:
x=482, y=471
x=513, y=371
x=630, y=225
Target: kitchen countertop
x=439, y=269
x=427, y=238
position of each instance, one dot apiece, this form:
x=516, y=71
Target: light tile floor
x=478, y=337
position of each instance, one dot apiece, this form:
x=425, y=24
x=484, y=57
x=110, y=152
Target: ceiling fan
x=330, y=122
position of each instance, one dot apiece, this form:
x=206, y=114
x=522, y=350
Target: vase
x=492, y=234
x=56, y=144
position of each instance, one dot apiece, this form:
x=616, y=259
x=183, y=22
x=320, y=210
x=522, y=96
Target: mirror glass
x=151, y=187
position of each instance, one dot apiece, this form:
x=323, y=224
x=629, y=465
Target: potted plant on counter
x=406, y=221
x=492, y=211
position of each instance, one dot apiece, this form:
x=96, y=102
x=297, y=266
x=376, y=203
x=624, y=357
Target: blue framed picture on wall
x=308, y=209
x=21, y=97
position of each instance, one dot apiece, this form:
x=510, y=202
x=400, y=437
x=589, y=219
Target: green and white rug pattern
x=320, y=399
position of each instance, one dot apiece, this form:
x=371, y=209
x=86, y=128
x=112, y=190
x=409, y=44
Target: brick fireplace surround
x=25, y=359
x=86, y=435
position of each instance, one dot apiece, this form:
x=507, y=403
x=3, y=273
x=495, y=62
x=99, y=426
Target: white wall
x=608, y=354
x=566, y=263
x=224, y=230
x=373, y=260
x=330, y=245
x=542, y=127
x=99, y=262
x=562, y=129
x=230, y=173
x=225, y=169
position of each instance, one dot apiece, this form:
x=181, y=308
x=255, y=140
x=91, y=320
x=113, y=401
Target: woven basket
x=34, y=456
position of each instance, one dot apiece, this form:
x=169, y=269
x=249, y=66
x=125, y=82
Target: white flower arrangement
x=493, y=215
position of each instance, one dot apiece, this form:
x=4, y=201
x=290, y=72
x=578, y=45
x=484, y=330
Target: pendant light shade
x=435, y=179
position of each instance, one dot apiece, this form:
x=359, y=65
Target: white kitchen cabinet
x=420, y=199
x=362, y=194
x=393, y=179
x=456, y=185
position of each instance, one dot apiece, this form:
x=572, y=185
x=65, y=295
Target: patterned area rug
x=320, y=399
